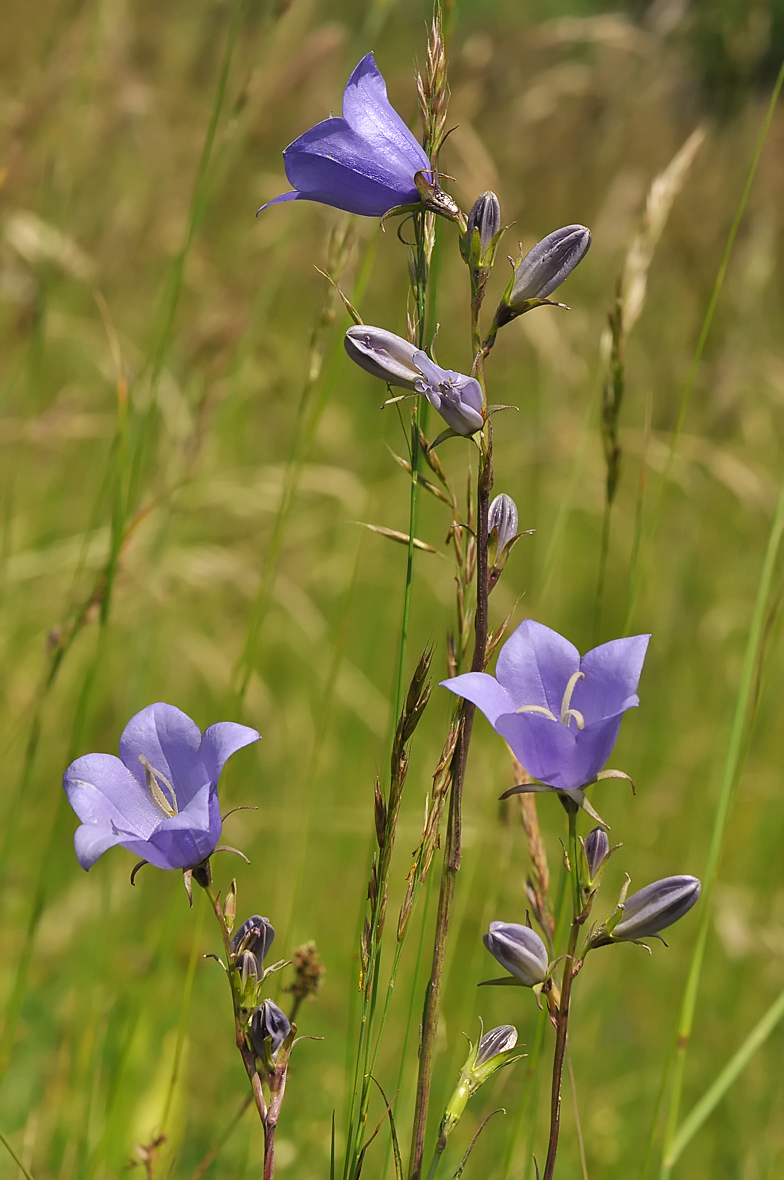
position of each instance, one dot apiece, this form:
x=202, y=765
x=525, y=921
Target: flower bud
x=494, y=1043
x=542, y=270
x=503, y=518
x=382, y=353
x=520, y=950
x=656, y=907
x=269, y=1028
x=485, y=216
x=597, y=849
x=495, y=1050
x=253, y=938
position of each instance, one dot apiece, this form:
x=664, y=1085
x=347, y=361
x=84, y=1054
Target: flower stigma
x=155, y=781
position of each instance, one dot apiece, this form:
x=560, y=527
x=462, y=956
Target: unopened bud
x=656, y=907
x=494, y=1050
x=494, y=1044
x=542, y=270
x=254, y=938
x=485, y=217
x=503, y=518
x=597, y=849
x=520, y=950
x=382, y=353
x=269, y=1028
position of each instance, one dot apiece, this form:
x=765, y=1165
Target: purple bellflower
x=559, y=713
x=364, y=162
x=457, y=398
x=159, y=799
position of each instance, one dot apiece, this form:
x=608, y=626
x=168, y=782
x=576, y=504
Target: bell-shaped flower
x=656, y=907
x=269, y=1024
x=559, y=713
x=365, y=162
x=520, y=950
x=159, y=799
x=251, y=943
x=383, y=354
x=457, y=398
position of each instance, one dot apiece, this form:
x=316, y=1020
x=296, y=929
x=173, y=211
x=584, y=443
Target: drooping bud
x=253, y=938
x=494, y=1050
x=542, y=270
x=597, y=849
x=269, y=1028
x=485, y=217
x=382, y=353
x=503, y=518
x=520, y=950
x=656, y=907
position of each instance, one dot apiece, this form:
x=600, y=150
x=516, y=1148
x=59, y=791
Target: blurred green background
x=164, y=359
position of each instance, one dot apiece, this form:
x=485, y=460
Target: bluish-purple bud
x=656, y=907
x=542, y=270
x=382, y=353
x=253, y=938
x=597, y=848
x=269, y=1023
x=485, y=216
x=520, y=950
x=502, y=517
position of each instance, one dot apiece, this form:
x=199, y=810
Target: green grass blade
x=14, y=1156
x=732, y=766
x=640, y=551
x=728, y=1076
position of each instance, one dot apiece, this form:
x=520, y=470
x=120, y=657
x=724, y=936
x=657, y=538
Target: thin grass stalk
x=15, y=1157
x=640, y=551
x=182, y=1025
x=171, y=298
x=453, y=848
x=728, y=1076
x=741, y=721
x=386, y=816
x=308, y=415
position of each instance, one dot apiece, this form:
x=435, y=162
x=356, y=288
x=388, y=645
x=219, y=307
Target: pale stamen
x=536, y=709
x=566, y=712
x=155, y=781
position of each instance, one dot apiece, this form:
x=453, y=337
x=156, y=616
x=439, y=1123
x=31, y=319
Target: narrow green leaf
x=728, y=1076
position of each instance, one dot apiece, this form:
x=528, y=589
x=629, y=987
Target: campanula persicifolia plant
x=558, y=712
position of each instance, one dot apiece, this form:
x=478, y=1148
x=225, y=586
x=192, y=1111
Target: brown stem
x=453, y=849
x=560, y=1050
x=278, y=1089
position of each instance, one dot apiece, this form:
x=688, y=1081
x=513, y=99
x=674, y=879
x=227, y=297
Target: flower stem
x=248, y=1057
x=453, y=850
x=570, y=970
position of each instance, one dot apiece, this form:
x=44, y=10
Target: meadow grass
x=184, y=454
